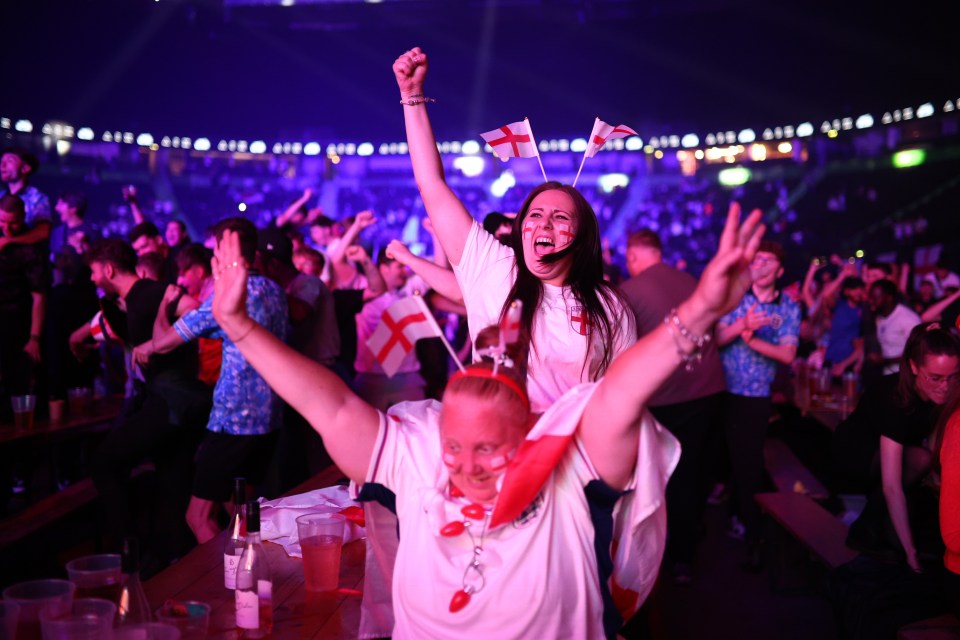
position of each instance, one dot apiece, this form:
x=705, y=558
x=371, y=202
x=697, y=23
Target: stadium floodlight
x=578, y=145
x=610, y=181
x=689, y=141
x=470, y=166
x=746, y=136
x=222, y=145
x=202, y=144
x=63, y=147
x=384, y=149
x=470, y=146
x=711, y=139
x=311, y=149
x=85, y=133
x=107, y=136
x=633, y=143
x=365, y=149
x=502, y=184
x=908, y=158
x=23, y=126
x=258, y=146
x=925, y=110
x=242, y=206
x=734, y=176
x=144, y=139
x=947, y=107
x=804, y=130
x=865, y=121
x=785, y=147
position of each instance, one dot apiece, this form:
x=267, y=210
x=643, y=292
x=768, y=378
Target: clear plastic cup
x=9, y=614
x=192, y=618
x=55, y=596
x=321, y=539
x=88, y=619
x=23, y=409
x=78, y=400
x=96, y=576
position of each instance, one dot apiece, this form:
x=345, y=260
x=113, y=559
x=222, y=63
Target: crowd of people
x=598, y=412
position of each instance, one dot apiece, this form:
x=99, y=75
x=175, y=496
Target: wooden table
x=99, y=416
x=296, y=613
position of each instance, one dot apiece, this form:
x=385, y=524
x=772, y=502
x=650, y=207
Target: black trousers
x=147, y=430
x=746, y=419
x=692, y=423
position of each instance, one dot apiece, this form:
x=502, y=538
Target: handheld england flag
x=603, y=132
x=510, y=324
x=514, y=140
x=401, y=325
x=100, y=329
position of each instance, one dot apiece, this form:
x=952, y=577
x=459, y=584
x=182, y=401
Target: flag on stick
x=514, y=140
x=401, y=325
x=599, y=136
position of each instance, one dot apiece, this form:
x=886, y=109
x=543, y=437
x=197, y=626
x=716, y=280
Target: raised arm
x=343, y=270
x=376, y=286
x=935, y=311
x=450, y=218
x=284, y=218
x=441, y=280
x=611, y=421
x=130, y=195
x=346, y=423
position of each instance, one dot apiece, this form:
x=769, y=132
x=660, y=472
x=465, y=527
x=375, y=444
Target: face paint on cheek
x=499, y=463
x=528, y=228
x=564, y=234
x=450, y=460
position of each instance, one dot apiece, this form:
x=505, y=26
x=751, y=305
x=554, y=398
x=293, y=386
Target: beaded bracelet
x=413, y=101
x=677, y=329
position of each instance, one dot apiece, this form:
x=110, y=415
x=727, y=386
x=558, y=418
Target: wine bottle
x=132, y=605
x=233, y=547
x=254, y=597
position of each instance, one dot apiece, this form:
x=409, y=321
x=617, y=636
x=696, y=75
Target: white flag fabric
x=603, y=132
x=514, y=140
x=401, y=325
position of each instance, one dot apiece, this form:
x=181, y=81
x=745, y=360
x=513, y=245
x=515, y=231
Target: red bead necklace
x=473, y=579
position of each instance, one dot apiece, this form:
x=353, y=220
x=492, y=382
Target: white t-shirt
x=940, y=286
x=540, y=571
x=368, y=319
x=487, y=271
x=893, y=331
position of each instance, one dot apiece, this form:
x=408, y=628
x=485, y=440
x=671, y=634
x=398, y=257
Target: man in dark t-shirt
x=689, y=401
x=163, y=420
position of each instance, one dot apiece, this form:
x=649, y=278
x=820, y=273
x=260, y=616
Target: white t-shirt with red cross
x=540, y=572
x=558, y=357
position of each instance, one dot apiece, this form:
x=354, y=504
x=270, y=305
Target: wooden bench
x=788, y=474
x=938, y=628
x=820, y=533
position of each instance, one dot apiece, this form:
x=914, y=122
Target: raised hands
x=410, y=70
x=356, y=253
x=398, y=251
x=230, y=287
x=727, y=276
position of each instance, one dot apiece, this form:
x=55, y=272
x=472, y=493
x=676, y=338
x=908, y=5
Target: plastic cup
x=9, y=614
x=88, y=619
x=321, y=538
x=96, y=576
x=58, y=409
x=78, y=399
x=55, y=596
x=147, y=631
x=192, y=618
x=23, y=407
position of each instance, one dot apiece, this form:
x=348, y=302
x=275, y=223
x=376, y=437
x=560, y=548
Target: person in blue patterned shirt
x=246, y=414
x=759, y=334
x=17, y=166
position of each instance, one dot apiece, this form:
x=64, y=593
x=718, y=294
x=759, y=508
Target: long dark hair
x=585, y=277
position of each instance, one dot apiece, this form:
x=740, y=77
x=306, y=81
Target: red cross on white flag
x=510, y=324
x=514, y=140
x=603, y=132
x=580, y=320
x=402, y=324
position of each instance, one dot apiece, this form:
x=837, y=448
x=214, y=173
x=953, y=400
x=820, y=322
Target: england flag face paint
x=450, y=460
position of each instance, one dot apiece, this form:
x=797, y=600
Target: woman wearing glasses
x=899, y=520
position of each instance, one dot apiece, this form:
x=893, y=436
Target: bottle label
x=248, y=609
x=230, y=563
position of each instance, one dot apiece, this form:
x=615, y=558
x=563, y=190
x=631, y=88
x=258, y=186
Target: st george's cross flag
x=602, y=132
x=514, y=140
x=401, y=325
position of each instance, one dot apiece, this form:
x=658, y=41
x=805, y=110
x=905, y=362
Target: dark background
x=320, y=69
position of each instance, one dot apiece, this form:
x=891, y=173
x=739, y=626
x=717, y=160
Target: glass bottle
x=132, y=605
x=237, y=533
x=254, y=601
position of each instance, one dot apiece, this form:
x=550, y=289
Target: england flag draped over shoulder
x=603, y=132
x=401, y=325
x=514, y=140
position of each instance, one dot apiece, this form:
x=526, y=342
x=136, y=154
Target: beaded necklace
x=473, y=578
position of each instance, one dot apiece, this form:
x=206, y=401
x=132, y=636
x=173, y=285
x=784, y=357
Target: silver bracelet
x=413, y=101
x=677, y=329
